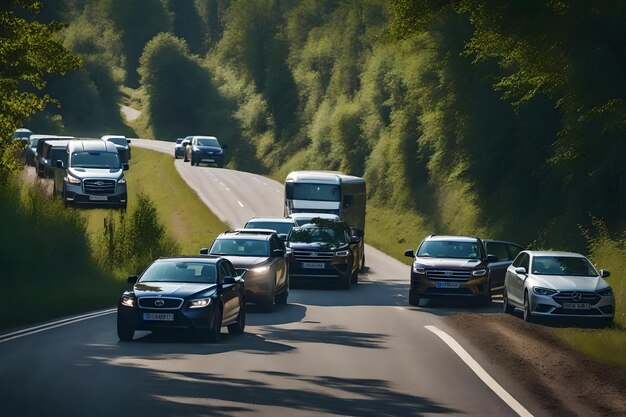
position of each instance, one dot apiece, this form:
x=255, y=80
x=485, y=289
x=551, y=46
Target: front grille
x=575, y=312
x=310, y=256
x=448, y=275
x=168, y=303
x=585, y=297
x=96, y=186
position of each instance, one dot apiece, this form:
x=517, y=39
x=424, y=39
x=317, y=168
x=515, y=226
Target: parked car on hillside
x=51, y=152
x=122, y=144
x=200, y=293
x=281, y=225
x=450, y=266
x=557, y=284
x=91, y=174
x=262, y=254
x=205, y=149
x=325, y=249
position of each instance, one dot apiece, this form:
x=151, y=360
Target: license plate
x=158, y=316
x=98, y=197
x=440, y=284
x=313, y=265
x=577, y=306
x=208, y=160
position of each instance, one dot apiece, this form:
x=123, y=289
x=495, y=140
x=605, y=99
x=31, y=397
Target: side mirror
x=229, y=280
x=355, y=239
x=357, y=232
x=520, y=270
x=60, y=164
x=127, y=140
x=204, y=251
x=409, y=253
x=278, y=253
x=492, y=258
x=604, y=273
x=224, y=147
x=282, y=236
x=133, y=279
x=125, y=166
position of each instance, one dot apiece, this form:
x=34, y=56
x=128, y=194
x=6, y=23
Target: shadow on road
x=335, y=335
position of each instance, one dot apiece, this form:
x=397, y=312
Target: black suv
x=450, y=266
x=325, y=249
x=205, y=149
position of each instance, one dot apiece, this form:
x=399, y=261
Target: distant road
x=361, y=352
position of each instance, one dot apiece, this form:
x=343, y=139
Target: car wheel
x=281, y=299
x=239, y=326
x=528, y=315
x=608, y=322
x=346, y=281
x=125, y=332
x=414, y=299
x=185, y=157
x=215, y=330
x=363, y=263
x=355, y=276
x=270, y=301
x=64, y=197
x=508, y=308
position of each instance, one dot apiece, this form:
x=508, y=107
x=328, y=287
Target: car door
x=230, y=298
x=279, y=263
x=515, y=283
x=497, y=268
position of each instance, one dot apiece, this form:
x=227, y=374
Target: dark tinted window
x=240, y=247
x=514, y=250
x=562, y=265
x=498, y=249
x=94, y=159
x=316, y=192
x=449, y=249
x=118, y=141
x=180, y=271
x=309, y=234
x=207, y=142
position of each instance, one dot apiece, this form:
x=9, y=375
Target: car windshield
x=118, y=141
x=563, y=266
x=208, y=142
x=280, y=227
x=449, y=249
x=57, y=154
x=180, y=271
x=179, y=141
x=310, y=234
x=316, y=192
x=240, y=247
x=33, y=143
x=94, y=159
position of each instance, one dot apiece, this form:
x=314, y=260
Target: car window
x=526, y=262
x=517, y=262
x=240, y=247
x=180, y=271
x=498, y=249
x=514, y=250
x=225, y=271
x=449, y=249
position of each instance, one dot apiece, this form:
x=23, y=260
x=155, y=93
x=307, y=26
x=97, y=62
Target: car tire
x=64, y=198
x=508, y=308
x=363, y=263
x=608, y=322
x=355, y=277
x=239, y=326
x=125, y=332
x=281, y=299
x=215, y=331
x=414, y=299
x=220, y=164
x=346, y=282
x=185, y=157
x=527, y=314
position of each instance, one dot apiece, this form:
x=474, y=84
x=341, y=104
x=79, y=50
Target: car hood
x=208, y=148
x=246, y=261
x=170, y=289
x=113, y=174
x=566, y=283
x=448, y=263
x=318, y=246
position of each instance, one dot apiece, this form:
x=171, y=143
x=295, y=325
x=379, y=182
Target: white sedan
x=546, y=283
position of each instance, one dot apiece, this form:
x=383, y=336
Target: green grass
x=185, y=217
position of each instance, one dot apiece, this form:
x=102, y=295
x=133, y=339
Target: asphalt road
x=361, y=352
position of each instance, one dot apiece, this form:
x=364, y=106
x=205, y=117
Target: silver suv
x=91, y=173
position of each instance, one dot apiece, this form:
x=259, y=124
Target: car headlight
x=122, y=180
x=605, y=292
x=418, y=269
x=543, y=291
x=200, y=302
x=479, y=272
x=260, y=269
x=73, y=180
x=128, y=301
x=342, y=253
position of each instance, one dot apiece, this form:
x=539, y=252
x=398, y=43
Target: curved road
x=361, y=352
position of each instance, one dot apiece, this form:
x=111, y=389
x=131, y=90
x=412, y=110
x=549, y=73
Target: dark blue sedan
x=202, y=293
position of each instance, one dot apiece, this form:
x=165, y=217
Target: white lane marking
x=259, y=181
x=279, y=191
x=239, y=202
x=53, y=325
x=227, y=189
x=480, y=372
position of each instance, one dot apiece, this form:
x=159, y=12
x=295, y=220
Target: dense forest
x=499, y=118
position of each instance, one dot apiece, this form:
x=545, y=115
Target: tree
x=29, y=52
